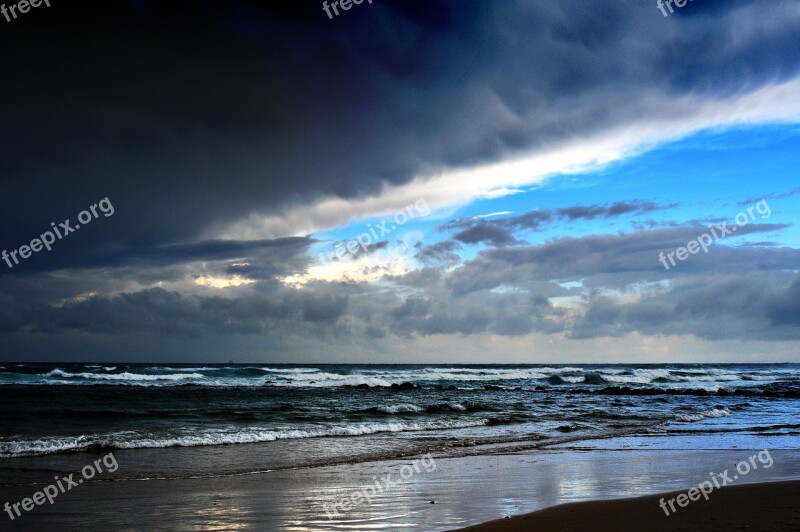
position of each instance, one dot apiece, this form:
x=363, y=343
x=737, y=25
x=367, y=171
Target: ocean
x=187, y=421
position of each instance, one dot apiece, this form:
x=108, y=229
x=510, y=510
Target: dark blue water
x=254, y=417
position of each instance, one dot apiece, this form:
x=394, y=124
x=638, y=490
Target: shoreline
x=466, y=490
x=766, y=506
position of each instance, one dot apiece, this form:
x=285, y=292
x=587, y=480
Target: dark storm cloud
x=427, y=277
x=169, y=313
x=222, y=250
x=190, y=116
x=502, y=314
x=260, y=258
x=751, y=307
x=419, y=317
x=326, y=308
x=785, y=309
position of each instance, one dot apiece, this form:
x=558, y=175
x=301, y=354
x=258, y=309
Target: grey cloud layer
x=498, y=232
x=745, y=292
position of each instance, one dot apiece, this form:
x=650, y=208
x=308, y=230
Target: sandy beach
x=767, y=507
x=466, y=491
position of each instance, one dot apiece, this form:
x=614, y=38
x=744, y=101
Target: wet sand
x=466, y=491
x=753, y=507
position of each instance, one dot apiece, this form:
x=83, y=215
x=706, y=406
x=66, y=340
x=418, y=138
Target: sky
x=540, y=181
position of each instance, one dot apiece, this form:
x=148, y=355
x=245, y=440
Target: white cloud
x=663, y=119
x=221, y=282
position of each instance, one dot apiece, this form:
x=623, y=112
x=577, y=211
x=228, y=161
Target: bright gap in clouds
x=221, y=282
x=772, y=104
x=706, y=162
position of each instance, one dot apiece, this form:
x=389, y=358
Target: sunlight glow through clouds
x=369, y=269
x=221, y=282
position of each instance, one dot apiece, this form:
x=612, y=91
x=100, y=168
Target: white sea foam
x=706, y=378
x=627, y=379
x=690, y=417
x=132, y=440
x=289, y=370
x=167, y=368
x=325, y=380
x=672, y=377
x=401, y=408
x=126, y=376
x=713, y=413
x=717, y=412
